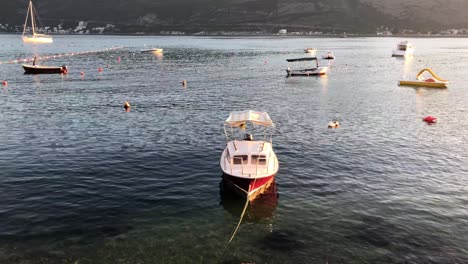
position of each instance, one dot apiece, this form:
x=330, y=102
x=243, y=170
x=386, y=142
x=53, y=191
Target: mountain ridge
x=360, y=16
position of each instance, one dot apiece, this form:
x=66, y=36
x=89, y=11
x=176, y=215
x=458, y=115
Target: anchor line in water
x=240, y=220
x=239, y=223
x=243, y=212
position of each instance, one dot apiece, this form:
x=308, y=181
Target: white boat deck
x=249, y=159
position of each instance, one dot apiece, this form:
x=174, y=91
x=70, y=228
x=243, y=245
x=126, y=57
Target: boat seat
x=248, y=137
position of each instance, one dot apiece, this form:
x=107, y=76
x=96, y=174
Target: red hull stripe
x=249, y=184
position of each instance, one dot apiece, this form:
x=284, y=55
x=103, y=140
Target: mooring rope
x=238, y=224
x=243, y=212
x=241, y=217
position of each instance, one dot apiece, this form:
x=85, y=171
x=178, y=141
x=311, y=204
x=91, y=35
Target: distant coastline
x=227, y=35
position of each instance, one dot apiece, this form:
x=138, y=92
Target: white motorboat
x=311, y=51
x=404, y=49
x=34, y=37
x=153, y=50
x=328, y=56
x=305, y=70
x=249, y=165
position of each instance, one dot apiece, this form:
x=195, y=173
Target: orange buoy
x=99, y=69
x=4, y=83
x=127, y=106
x=430, y=119
x=334, y=124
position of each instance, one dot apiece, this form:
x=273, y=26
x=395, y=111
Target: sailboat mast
x=32, y=18
x=26, y=21
x=35, y=38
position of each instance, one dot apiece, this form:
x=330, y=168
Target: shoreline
x=257, y=35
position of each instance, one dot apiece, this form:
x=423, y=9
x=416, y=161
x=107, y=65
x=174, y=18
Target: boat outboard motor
x=248, y=137
x=64, y=69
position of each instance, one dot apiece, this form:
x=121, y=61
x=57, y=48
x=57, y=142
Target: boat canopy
x=238, y=118
x=302, y=59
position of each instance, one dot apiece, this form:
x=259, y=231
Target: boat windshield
x=258, y=159
x=402, y=47
x=240, y=159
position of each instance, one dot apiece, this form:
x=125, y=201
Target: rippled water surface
x=82, y=181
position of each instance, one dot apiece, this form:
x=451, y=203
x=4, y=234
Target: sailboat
x=35, y=37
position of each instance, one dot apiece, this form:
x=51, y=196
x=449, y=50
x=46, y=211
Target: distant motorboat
x=311, y=51
x=154, y=50
x=328, y=56
x=35, y=37
x=404, y=49
x=305, y=71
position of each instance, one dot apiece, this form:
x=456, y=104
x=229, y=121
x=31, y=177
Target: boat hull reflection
x=242, y=185
x=263, y=206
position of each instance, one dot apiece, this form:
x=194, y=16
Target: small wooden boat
x=306, y=71
x=154, y=50
x=37, y=69
x=432, y=82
